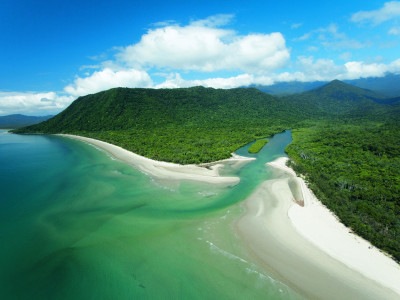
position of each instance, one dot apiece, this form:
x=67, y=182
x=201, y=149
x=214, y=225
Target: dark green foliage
x=355, y=171
x=190, y=125
x=257, y=146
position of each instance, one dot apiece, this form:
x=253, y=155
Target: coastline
x=308, y=247
x=207, y=173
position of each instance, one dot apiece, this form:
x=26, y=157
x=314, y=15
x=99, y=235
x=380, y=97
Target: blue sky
x=55, y=51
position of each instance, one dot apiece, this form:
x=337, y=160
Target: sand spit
x=208, y=173
x=308, y=248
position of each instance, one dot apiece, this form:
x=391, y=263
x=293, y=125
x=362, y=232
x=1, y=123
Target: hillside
x=17, y=120
x=188, y=125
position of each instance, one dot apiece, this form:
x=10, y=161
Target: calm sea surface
x=77, y=224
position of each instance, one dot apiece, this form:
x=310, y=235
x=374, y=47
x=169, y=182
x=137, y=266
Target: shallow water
x=77, y=224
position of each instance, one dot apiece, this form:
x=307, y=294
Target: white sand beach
x=208, y=173
x=308, y=248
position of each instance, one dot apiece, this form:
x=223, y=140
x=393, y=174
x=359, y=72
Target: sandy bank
x=320, y=226
x=209, y=173
x=308, y=248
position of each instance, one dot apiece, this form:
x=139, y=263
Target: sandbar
x=207, y=173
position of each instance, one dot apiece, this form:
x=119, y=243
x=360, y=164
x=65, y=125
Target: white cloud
x=320, y=69
x=85, y=67
x=345, y=56
x=214, y=21
x=331, y=38
x=308, y=69
x=296, y=25
x=304, y=37
x=201, y=46
x=32, y=103
x=394, y=31
x=312, y=48
x=390, y=10
x=325, y=70
x=176, y=81
x=106, y=79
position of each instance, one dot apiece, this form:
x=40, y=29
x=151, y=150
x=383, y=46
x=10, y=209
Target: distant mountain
x=339, y=90
x=339, y=98
x=17, y=120
x=388, y=86
x=288, y=88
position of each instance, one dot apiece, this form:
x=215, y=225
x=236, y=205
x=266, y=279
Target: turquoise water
x=77, y=224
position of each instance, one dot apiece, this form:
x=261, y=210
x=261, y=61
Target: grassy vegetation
x=345, y=139
x=257, y=146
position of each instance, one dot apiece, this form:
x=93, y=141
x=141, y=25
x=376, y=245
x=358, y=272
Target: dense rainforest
x=346, y=140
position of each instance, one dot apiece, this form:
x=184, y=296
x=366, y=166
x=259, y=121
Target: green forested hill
x=346, y=140
x=189, y=125
x=124, y=108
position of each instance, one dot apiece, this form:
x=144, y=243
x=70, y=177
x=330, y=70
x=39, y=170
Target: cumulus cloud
x=32, y=103
x=106, y=79
x=325, y=69
x=309, y=69
x=176, y=81
x=203, y=46
x=390, y=10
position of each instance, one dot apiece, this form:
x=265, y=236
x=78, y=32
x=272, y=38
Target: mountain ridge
x=20, y=120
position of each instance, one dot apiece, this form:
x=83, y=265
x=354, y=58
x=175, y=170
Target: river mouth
x=77, y=223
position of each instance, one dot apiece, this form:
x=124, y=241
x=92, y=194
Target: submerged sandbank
x=208, y=173
x=309, y=249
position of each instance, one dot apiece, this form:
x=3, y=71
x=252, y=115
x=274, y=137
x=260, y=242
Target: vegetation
x=355, y=171
x=192, y=125
x=257, y=146
x=345, y=139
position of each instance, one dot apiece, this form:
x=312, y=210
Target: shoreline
x=307, y=247
x=322, y=227
x=207, y=173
